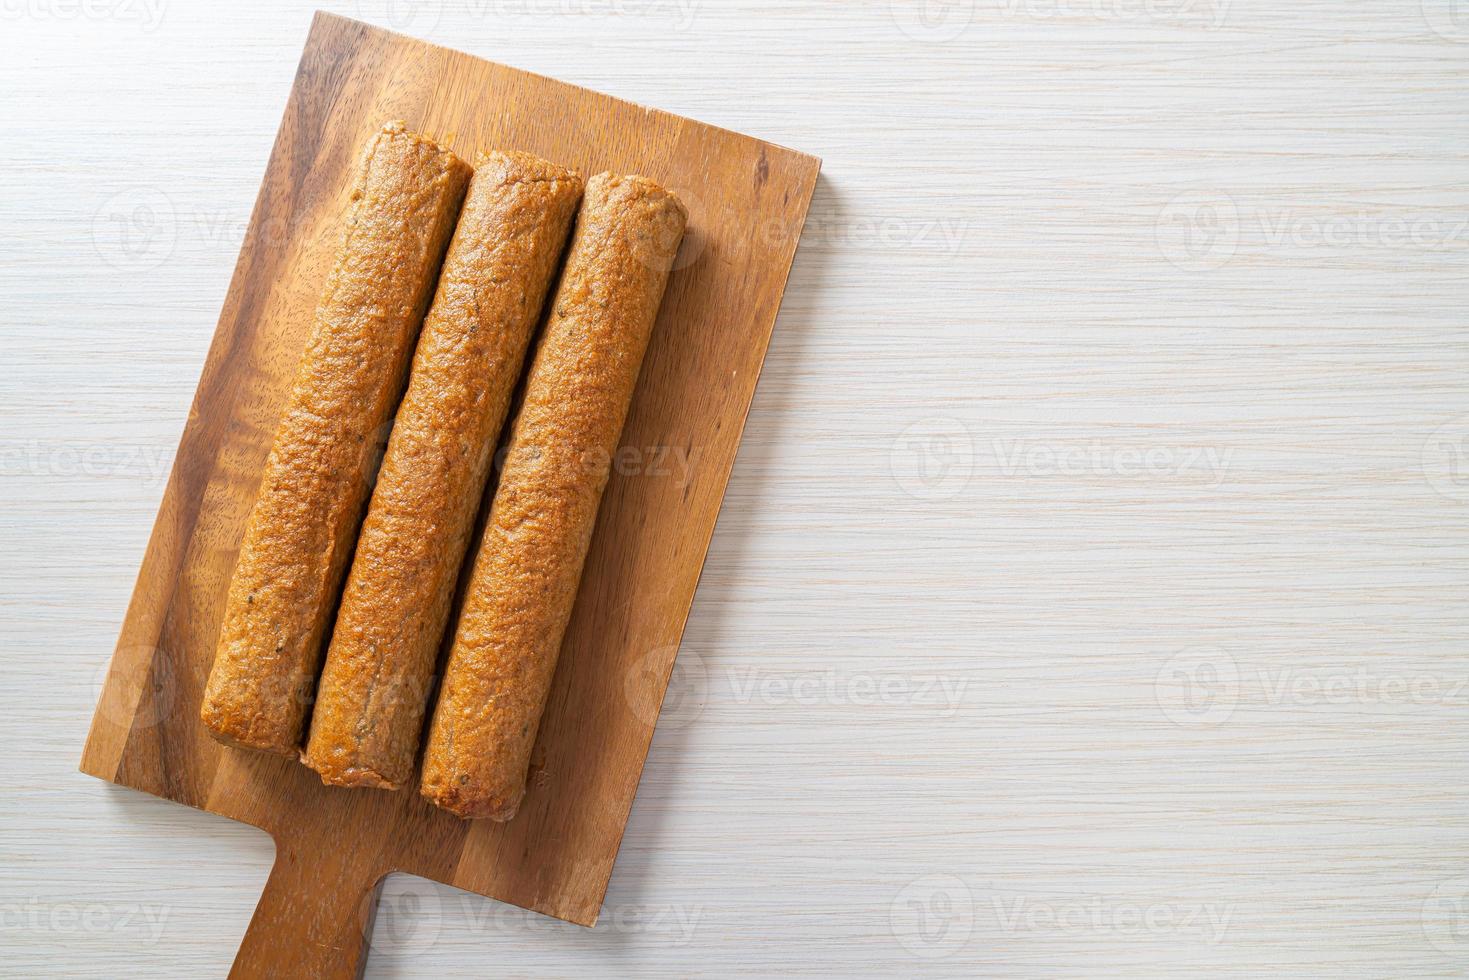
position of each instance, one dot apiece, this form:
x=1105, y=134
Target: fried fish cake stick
x=526, y=574
x=374, y=687
x=317, y=477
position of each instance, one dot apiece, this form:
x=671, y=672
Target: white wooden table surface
x=1089, y=597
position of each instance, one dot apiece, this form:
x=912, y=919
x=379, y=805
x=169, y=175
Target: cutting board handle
x=315, y=916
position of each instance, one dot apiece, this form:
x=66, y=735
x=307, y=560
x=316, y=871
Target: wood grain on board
x=748, y=200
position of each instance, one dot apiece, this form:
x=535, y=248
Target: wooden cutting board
x=748, y=201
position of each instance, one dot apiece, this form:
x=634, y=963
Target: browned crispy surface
x=305, y=519
x=526, y=574
x=370, y=702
